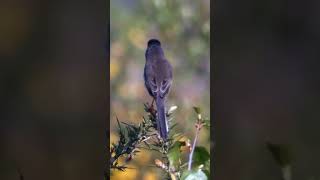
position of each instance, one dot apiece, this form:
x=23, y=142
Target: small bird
x=158, y=80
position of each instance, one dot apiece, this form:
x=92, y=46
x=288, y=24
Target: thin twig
x=193, y=147
x=198, y=126
x=147, y=148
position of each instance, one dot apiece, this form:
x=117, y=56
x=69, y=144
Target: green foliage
x=129, y=137
x=174, y=154
x=194, y=175
x=200, y=161
x=144, y=135
x=197, y=110
x=201, y=156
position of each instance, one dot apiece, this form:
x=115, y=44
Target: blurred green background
x=183, y=27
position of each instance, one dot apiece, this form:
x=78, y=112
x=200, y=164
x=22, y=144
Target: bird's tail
x=161, y=118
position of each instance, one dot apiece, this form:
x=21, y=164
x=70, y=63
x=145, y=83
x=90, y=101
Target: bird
x=158, y=78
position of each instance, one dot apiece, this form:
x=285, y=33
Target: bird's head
x=153, y=42
x=154, y=49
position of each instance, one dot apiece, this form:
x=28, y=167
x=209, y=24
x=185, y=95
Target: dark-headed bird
x=158, y=79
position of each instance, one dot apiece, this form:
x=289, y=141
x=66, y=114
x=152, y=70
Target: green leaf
x=194, y=175
x=207, y=122
x=200, y=156
x=207, y=172
x=197, y=110
x=176, y=136
x=206, y=168
x=173, y=125
x=281, y=153
x=122, y=139
x=174, y=154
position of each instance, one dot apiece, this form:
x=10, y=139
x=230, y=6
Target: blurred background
x=53, y=84
x=266, y=87
x=183, y=27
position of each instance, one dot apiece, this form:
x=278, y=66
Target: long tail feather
x=161, y=118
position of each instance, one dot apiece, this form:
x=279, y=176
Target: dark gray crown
x=154, y=42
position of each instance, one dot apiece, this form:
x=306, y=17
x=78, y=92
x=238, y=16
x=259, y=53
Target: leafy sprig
x=132, y=138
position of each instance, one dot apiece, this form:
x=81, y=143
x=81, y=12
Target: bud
x=160, y=164
x=172, y=108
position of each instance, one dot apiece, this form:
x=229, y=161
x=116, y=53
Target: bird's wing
x=150, y=80
x=165, y=86
x=167, y=81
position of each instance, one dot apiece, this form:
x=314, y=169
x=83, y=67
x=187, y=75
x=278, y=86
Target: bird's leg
x=152, y=109
x=152, y=102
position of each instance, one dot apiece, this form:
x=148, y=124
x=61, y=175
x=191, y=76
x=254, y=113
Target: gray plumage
x=158, y=80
